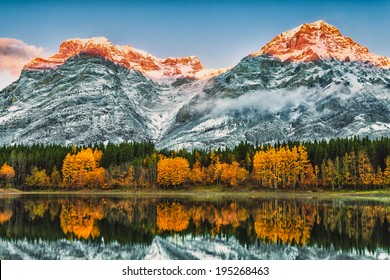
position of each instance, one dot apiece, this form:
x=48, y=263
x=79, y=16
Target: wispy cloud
x=258, y=100
x=14, y=54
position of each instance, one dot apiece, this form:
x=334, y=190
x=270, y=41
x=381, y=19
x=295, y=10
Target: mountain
x=127, y=57
x=319, y=40
x=308, y=83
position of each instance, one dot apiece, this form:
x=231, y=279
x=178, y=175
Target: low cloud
x=14, y=54
x=258, y=100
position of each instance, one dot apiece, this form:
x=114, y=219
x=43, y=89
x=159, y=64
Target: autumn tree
x=7, y=174
x=38, y=178
x=55, y=178
x=365, y=169
x=386, y=173
x=172, y=171
x=82, y=169
x=197, y=174
x=233, y=174
x=280, y=166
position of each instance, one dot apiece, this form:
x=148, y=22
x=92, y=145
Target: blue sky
x=220, y=33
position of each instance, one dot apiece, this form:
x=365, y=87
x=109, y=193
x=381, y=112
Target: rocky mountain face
x=89, y=99
x=319, y=40
x=127, y=57
x=263, y=99
x=307, y=83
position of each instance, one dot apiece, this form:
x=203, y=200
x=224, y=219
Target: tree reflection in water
x=345, y=225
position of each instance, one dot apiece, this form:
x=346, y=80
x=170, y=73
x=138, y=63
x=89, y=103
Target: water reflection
x=342, y=225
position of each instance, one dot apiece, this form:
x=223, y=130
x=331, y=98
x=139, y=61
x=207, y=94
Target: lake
x=192, y=227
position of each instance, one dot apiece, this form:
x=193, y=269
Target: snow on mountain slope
x=308, y=83
x=89, y=99
x=263, y=99
x=319, y=40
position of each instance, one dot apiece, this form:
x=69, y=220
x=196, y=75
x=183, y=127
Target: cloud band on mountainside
x=259, y=100
x=14, y=54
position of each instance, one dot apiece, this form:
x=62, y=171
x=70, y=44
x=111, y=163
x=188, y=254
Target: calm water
x=109, y=227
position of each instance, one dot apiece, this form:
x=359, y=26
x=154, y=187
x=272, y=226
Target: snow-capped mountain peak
x=319, y=40
x=125, y=56
x=92, y=94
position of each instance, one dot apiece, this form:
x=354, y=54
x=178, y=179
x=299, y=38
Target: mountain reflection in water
x=162, y=227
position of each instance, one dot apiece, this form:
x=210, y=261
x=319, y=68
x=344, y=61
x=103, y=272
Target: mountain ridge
x=125, y=56
x=319, y=40
x=87, y=98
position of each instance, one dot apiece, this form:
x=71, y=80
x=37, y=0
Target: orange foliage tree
x=172, y=171
x=7, y=174
x=197, y=174
x=233, y=174
x=281, y=166
x=82, y=169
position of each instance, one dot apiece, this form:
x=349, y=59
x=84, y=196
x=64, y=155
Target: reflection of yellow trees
x=176, y=217
x=230, y=215
x=198, y=214
x=358, y=222
x=5, y=216
x=36, y=209
x=80, y=219
x=172, y=217
x=286, y=224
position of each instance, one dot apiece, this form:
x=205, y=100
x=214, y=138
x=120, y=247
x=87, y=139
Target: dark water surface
x=142, y=227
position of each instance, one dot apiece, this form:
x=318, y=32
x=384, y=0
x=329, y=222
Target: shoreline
x=209, y=193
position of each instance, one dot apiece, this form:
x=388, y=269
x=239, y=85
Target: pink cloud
x=14, y=54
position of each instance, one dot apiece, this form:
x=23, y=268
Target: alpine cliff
x=308, y=83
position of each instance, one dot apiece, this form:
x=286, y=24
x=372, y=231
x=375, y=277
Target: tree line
x=335, y=164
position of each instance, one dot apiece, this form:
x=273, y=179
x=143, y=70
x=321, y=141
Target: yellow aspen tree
x=366, y=171
x=82, y=169
x=197, y=174
x=331, y=173
x=241, y=174
x=347, y=167
x=38, y=178
x=129, y=179
x=67, y=170
x=260, y=166
x=7, y=174
x=172, y=171
x=55, y=178
x=316, y=174
x=303, y=161
x=309, y=178
x=379, y=179
x=386, y=173
x=284, y=161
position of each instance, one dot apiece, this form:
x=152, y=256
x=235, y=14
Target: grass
x=207, y=192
